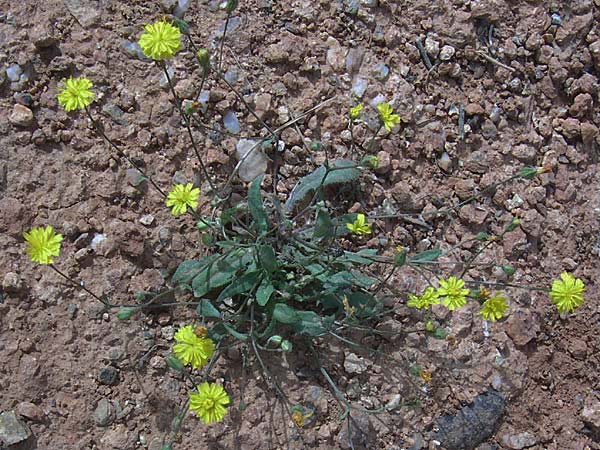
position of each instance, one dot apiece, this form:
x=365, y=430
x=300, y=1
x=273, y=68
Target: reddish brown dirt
x=54, y=340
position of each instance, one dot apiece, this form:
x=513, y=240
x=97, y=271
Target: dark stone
x=471, y=425
x=109, y=376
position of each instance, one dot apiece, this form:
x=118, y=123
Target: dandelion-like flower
x=494, y=308
x=76, y=93
x=355, y=111
x=191, y=349
x=182, y=196
x=387, y=116
x=452, y=293
x=429, y=297
x=360, y=225
x=43, y=244
x=210, y=402
x=567, y=293
x=160, y=40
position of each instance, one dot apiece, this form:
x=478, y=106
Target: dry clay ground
x=67, y=368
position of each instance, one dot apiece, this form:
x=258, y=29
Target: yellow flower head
x=567, y=293
x=192, y=349
x=494, y=308
x=426, y=375
x=43, y=244
x=182, y=196
x=428, y=298
x=160, y=40
x=452, y=293
x=76, y=93
x=387, y=116
x=360, y=225
x=355, y=111
x=210, y=402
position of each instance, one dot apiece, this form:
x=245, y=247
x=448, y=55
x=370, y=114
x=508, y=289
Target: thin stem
x=501, y=284
x=229, y=11
x=120, y=152
x=79, y=285
x=247, y=106
x=473, y=197
x=186, y=122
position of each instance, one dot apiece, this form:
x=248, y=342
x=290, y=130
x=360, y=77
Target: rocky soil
x=504, y=84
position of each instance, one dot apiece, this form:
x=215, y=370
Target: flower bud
x=400, y=257
x=508, y=269
x=513, y=224
x=203, y=59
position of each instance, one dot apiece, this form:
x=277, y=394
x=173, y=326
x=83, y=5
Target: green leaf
x=306, y=322
x=236, y=334
x=188, y=269
x=255, y=204
x=285, y=314
x=358, y=257
x=341, y=171
x=267, y=258
x=220, y=272
x=366, y=305
x=426, y=256
x=323, y=225
x=241, y=285
x=346, y=279
x=206, y=309
x=264, y=291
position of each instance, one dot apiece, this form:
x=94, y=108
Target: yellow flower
x=210, y=403
x=387, y=116
x=425, y=375
x=428, y=298
x=76, y=93
x=192, y=349
x=182, y=196
x=44, y=243
x=454, y=296
x=355, y=111
x=160, y=40
x=360, y=225
x=494, y=308
x=567, y=293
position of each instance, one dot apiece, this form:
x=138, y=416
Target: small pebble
x=381, y=71
x=164, y=82
x=105, y=413
x=231, y=122
x=147, y=219
x=72, y=311
x=432, y=47
x=447, y=52
x=12, y=283
x=359, y=86
x=13, y=73
x=445, y=162
x=231, y=76
x=108, y=376
x=21, y=116
x=134, y=50
x=97, y=240
x=23, y=98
